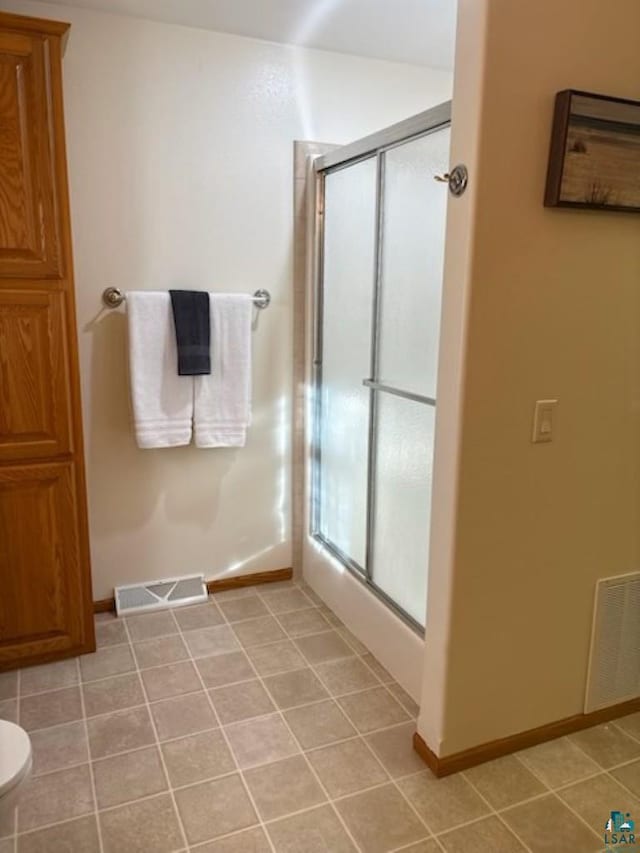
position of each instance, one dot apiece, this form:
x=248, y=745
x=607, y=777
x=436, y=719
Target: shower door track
x=430, y=121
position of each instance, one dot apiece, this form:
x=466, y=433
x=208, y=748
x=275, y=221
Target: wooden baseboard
x=504, y=746
x=108, y=605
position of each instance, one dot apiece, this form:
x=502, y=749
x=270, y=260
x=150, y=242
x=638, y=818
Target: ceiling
x=415, y=31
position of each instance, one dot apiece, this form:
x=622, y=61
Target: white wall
x=180, y=148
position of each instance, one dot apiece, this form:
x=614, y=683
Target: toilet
x=15, y=766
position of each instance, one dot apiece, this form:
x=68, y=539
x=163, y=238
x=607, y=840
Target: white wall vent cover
x=158, y=595
x=614, y=659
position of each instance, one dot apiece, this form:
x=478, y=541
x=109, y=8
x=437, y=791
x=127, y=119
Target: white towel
x=222, y=401
x=162, y=400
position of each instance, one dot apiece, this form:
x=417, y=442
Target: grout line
x=94, y=793
x=159, y=751
x=231, y=752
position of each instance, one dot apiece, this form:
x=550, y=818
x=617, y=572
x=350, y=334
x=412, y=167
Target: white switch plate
x=544, y=421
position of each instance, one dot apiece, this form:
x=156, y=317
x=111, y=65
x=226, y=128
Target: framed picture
x=595, y=153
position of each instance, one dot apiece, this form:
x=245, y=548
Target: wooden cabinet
x=45, y=588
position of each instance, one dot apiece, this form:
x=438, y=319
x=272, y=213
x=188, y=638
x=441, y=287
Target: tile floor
x=257, y=723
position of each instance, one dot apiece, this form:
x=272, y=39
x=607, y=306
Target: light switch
x=543, y=420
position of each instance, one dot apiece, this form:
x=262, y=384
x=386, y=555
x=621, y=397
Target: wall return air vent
x=158, y=595
x=614, y=660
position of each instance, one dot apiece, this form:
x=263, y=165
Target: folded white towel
x=162, y=400
x=222, y=400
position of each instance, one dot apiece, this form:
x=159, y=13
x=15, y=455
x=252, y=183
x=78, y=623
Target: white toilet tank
x=15, y=765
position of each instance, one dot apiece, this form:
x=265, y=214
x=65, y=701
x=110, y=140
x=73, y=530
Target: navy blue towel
x=193, y=331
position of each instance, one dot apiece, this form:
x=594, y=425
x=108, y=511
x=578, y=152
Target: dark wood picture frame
x=594, y=160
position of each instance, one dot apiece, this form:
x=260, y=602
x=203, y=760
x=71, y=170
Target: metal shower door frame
x=373, y=146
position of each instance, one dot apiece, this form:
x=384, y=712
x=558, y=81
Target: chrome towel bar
x=112, y=297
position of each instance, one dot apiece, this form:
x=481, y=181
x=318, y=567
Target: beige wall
x=180, y=145
x=554, y=311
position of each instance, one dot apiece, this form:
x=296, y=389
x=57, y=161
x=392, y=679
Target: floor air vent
x=614, y=661
x=158, y=595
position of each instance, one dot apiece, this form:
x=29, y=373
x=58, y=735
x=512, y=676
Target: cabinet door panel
x=40, y=563
x=34, y=393
x=29, y=244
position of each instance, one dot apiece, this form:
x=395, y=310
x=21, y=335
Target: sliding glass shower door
x=379, y=297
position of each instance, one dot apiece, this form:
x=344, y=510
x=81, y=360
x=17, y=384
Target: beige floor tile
x=411, y=707
x=313, y=597
x=112, y=633
x=248, y=841
x=318, y=648
x=275, y=658
x=184, y=715
x=120, y=731
x=218, y=640
x=607, y=745
x=216, y=808
x=319, y=830
x=238, y=609
x=197, y=757
x=351, y=640
x=486, y=836
x=7, y=824
x=629, y=776
x=198, y=616
x=49, y=676
x=57, y=796
x=319, y=725
x=630, y=724
x=428, y=846
x=377, y=667
x=257, y=632
x=159, y=651
x=172, y=680
x=112, y=694
x=380, y=820
x=260, y=741
x=295, y=688
x=6, y=845
x=241, y=701
x=347, y=767
x=504, y=782
x=547, y=826
x=150, y=625
x=9, y=710
x=218, y=670
x=112, y=660
x=284, y=787
x=301, y=622
x=238, y=592
x=443, y=803
x=594, y=797
x=149, y=825
x=75, y=836
x=59, y=747
x=330, y=616
x=283, y=601
x=372, y=709
x=394, y=748
x=127, y=777
x=346, y=675
x=558, y=762
x=50, y=709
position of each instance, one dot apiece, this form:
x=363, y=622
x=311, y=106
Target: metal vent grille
x=614, y=660
x=160, y=594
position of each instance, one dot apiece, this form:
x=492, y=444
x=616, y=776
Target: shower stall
x=380, y=214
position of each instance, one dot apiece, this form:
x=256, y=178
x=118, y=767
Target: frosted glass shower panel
x=402, y=515
x=347, y=300
x=412, y=262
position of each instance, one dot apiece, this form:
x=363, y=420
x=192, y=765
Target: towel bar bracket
x=113, y=297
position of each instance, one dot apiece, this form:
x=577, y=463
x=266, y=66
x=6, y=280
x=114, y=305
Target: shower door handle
x=398, y=392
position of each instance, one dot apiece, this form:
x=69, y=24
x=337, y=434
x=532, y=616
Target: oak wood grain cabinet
x=45, y=578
